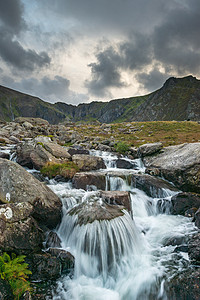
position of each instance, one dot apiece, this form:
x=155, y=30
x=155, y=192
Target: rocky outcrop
x=117, y=198
x=19, y=232
x=194, y=249
x=183, y=202
x=88, y=212
x=88, y=162
x=179, y=164
x=149, y=149
x=18, y=186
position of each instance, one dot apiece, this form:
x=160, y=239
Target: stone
x=117, y=198
x=149, y=149
x=194, y=248
x=53, y=240
x=88, y=162
x=66, y=259
x=90, y=211
x=5, y=290
x=125, y=164
x=4, y=155
x=19, y=232
x=73, y=151
x=27, y=125
x=57, y=150
x=86, y=179
x=184, y=201
x=33, y=121
x=197, y=218
x=17, y=185
x=179, y=164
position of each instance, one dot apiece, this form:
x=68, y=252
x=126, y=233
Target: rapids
x=129, y=257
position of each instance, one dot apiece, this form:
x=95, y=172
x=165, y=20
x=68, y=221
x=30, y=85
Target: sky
x=78, y=51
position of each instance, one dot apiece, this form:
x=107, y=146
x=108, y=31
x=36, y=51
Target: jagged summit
x=178, y=99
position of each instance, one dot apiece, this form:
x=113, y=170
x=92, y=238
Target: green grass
x=67, y=169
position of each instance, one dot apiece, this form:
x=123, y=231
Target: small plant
x=67, y=169
x=122, y=147
x=15, y=272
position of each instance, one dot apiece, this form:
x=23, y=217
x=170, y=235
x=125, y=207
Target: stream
x=131, y=257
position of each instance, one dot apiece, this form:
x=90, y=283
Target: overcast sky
x=83, y=50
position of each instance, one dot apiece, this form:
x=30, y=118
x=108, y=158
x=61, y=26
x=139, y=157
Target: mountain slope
x=178, y=99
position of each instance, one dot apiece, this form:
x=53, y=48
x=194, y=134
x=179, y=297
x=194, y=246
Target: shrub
x=122, y=147
x=15, y=272
x=67, y=169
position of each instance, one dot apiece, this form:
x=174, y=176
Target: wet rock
x=53, y=240
x=182, y=248
x=190, y=213
x=4, y=155
x=152, y=186
x=43, y=266
x=117, y=198
x=197, y=218
x=88, y=162
x=90, y=211
x=149, y=149
x=185, y=286
x=19, y=232
x=57, y=150
x=66, y=259
x=176, y=241
x=184, y=201
x=125, y=164
x=73, y=151
x=194, y=248
x=179, y=164
x=5, y=290
x=86, y=179
x=17, y=185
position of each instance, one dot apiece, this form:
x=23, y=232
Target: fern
x=15, y=272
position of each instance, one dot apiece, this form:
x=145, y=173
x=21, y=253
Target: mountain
x=178, y=99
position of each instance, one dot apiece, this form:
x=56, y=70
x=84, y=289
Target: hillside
x=178, y=99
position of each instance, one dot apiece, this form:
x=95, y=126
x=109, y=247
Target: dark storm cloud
x=11, y=50
x=153, y=80
x=11, y=12
x=105, y=73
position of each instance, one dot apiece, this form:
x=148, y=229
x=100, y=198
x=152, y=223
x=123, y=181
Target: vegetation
x=66, y=169
x=121, y=147
x=15, y=272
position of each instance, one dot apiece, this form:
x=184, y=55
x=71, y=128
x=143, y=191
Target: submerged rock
x=17, y=185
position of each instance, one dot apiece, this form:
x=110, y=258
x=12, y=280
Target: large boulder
x=88, y=162
x=117, y=198
x=125, y=164
x=5, y=290
x=17, y=185
x=149, y=149
x=152, y=186
x=179, y=164
x=19, y=232
x=185, y=201
x=87, y=179
x=194, y=248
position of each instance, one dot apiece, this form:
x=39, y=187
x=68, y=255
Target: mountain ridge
x=178, y=99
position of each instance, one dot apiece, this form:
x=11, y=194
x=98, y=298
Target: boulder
x=4, y=155
x=88, y=162
x=33, y=121
x=185, y=285
x=5, y=290
x=17, y=185
x=53, y=240
x=125, y=164
x=73, y=151
x=57, y=150
x=90, y=211
x=184, y=201
x=65, y=258
x=149, y=149
x=179, y=164
x=197, y=218
x=19, y=232
x=27, y=125
x=152, y=186
x=194, y=249
x=117, y=198
x=86, y=179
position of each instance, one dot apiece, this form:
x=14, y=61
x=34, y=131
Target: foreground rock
x=88, y=212
x=149, y=149
x=185, y=286
x=179, y=164
x=5, y=291
x=88, y=162
x=117, y=198
x=194, y=249
x=185, y=201
x=17, y=185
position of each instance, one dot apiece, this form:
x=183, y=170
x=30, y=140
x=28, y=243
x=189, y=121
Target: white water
x=125, y=258
x=141, y=263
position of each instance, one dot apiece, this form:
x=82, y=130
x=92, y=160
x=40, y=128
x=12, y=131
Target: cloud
x=105, y=73
x=49, y=89
x=153, y=80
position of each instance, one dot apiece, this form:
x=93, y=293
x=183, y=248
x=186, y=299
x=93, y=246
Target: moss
x=66, y=170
